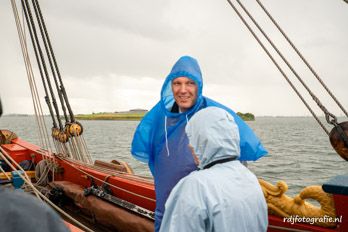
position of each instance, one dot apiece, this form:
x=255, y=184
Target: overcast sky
x=115, y=54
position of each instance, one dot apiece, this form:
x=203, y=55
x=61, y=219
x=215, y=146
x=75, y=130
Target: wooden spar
x=31, y=174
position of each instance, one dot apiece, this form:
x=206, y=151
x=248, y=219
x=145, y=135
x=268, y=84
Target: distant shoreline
x=246, y=116
x=112, y=116
x=124, y=116
x=137, y=116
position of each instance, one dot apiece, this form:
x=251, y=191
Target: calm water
x=299, y=151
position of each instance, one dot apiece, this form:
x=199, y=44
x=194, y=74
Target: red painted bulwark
x=341, y=205
x=18, y=153
x=141, y=191
x=124, y=184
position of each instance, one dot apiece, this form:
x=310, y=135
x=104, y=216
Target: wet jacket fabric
x=22, y=212
x=160, y=138
x=224, y=197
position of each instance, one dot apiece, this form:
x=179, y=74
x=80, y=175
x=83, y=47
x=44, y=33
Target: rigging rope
x=8, y=159
x=277, y=65
x=302, y=57
x=339, y=133
x=62, y=89
x=3, y=171
x=30, y=75
x=69, y=162
x=40, y=59
x=78, y=148
x=48, y=55
x=72, y=130
x=315, y=98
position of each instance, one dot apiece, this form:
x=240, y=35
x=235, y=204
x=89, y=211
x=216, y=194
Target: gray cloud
x=107, y=47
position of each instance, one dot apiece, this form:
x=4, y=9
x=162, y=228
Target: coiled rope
x=8, y=159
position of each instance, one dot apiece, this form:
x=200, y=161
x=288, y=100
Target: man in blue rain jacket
x=160, y=138
x=223, y=195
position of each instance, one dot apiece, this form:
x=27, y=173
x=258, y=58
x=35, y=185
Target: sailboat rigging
x=110, y=195
x=71, y=132
x=339, y=134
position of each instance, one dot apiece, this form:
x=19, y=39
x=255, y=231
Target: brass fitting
x=74, y=129
x=63, y=137
x=55, y=133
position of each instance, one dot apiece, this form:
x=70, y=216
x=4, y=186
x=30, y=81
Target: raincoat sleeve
x=142, y=149
x=185, y=210
x=22, y=212
x=251, y=148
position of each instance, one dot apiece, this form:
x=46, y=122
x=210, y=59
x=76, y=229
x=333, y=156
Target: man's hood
x=214, y=135
x=188, y=67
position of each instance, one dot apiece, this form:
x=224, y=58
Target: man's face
x=195, y=157
x=185, y=92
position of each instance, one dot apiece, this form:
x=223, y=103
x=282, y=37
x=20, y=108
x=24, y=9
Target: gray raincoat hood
x=214, y=135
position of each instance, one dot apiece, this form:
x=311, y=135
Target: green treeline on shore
x=136, y=115
x=112, y=116
x=246, y=116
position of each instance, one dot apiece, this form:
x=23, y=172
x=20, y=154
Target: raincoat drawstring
x=166, y=132
x=166, y=135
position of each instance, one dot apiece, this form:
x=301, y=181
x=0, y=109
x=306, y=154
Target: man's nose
x=183, y=88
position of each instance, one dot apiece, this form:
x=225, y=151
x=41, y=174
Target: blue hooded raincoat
x=160, y=138
x=223, y=197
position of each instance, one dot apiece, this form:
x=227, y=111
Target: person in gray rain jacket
x=160, y=139
x=222, y=195
x=20, y=211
